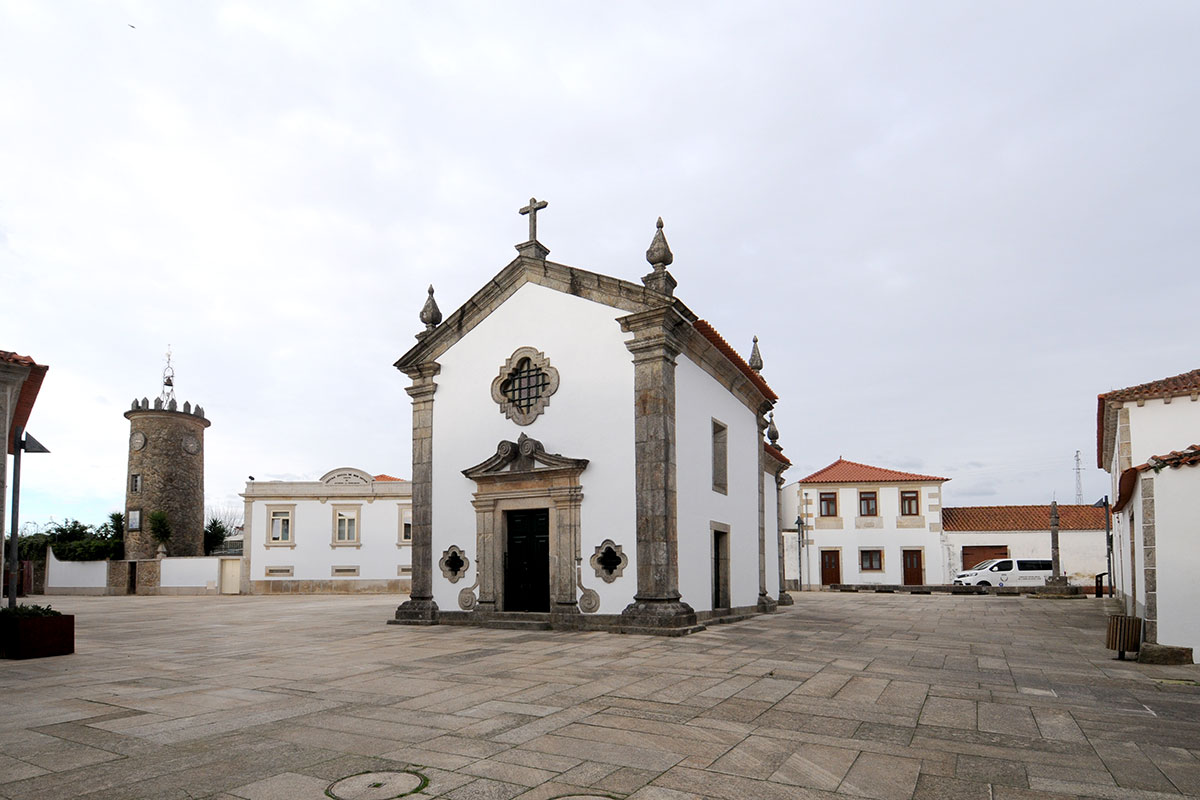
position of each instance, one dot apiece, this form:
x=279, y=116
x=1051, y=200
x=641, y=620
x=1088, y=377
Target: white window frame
x=342, y=536
x=287, y=514
x=404, y=514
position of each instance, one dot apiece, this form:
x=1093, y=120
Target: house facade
x=350, y=531
x=868, y=525
x=587, y=453
x=1146, y=440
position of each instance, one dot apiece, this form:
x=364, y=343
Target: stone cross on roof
x=532, y=209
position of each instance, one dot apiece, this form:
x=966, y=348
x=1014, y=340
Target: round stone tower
x=166, y=473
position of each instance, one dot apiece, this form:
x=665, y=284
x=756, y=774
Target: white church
x=588, y=454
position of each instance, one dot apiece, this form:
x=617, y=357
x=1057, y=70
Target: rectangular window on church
x=720, y=457
x=135, y=484
x=346, y=531
x=868, y=505
x=829, y=504
x=910, y=504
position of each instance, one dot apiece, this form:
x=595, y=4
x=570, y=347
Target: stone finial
x=135, y=405
x=158, y=404
x=187, y=406
x=756, y=362
x=199, y=411
x=773, y=432
x=660, y=257
x=431, y=315
x=172, y=406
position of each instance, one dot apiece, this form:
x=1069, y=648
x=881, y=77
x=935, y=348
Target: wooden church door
x=527, y=561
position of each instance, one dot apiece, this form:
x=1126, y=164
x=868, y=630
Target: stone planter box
x=37, y=637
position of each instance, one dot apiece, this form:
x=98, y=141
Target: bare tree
x=229, y=515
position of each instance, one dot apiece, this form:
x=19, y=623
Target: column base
x=671, y=617
x=766, y=605
x=416, y=612
x=1060, y=581
x=785, y=599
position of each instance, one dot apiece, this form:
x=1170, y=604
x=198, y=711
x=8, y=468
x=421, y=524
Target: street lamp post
x=25, y=442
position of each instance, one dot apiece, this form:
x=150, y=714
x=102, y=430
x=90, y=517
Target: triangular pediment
x=523, y=456
x=620, y=294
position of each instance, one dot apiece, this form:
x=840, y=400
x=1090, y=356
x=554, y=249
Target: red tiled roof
x=388, y=478
x=1187, y=383
x=776, y=454
x=709, y=332
x=843, y=471
x=1188, y=457
x=1021, y=518
x=29, y=392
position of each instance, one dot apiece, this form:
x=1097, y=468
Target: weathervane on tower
x=168, y=390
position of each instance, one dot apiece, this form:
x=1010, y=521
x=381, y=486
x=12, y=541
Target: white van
x=1007, y=572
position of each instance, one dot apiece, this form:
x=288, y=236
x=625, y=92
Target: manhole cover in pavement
x=376, y=786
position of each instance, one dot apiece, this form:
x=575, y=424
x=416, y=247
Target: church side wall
x=1157, y=428
x=700, y=400
x=590, y=416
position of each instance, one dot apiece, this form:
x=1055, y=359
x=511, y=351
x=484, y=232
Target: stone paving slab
x=841, y=695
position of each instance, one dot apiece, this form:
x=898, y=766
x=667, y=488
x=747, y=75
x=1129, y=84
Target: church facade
x=588, y=454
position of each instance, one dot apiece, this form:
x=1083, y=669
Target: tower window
x=133, y=519
x=135, y=484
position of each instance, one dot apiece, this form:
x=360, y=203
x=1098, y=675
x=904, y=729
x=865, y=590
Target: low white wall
x=1081, y=554
x=1177, y=524
x=203, y=572
x=77, y=575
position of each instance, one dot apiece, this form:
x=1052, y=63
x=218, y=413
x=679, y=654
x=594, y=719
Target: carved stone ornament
x=523, y=455
x=524, y=385
x=454, y=563
x=608, y=561
x=467, y=599
x=589, y=601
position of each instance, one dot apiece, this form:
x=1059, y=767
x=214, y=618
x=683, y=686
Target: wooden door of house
x=831, y=567
x=527, y=561
x=914, y=574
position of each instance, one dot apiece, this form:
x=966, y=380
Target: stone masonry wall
x=171, y=465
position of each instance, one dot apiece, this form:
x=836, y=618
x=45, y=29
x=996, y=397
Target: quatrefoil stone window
x=524, y=385
x=454, y=563
x=608, y=561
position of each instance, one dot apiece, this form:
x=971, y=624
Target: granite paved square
x=841, y=695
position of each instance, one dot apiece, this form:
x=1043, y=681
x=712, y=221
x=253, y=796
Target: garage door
x=973, y=554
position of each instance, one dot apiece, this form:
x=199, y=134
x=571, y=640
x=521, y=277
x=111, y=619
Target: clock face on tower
x=137, y=440
x=191, y=445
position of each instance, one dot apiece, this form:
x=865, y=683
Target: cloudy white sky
x=951, y=224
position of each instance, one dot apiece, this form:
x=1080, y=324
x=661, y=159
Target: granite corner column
x=785, y=599
x=657, y=607
x=420, y=608
x=765, y=603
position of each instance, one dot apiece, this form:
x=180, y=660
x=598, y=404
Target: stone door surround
x=522, y=475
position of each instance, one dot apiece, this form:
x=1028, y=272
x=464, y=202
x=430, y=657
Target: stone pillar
x=564, y=551
x=487, y=554
x=657, y=603
x=1056, y=577
x=420, y=609
x=765, y=603
x=785, y=599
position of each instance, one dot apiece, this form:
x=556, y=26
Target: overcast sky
x=951, y=225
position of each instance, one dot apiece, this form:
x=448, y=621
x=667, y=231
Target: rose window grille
x=524, y=385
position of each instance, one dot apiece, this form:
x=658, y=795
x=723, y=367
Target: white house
x=977, y=533
x=868, y=525
x=350, y=531
x=587, y=453
x=1146, y=440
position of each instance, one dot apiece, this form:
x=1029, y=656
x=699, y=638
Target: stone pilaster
x=785, y=599
x=765, y=603
x=655, y=346
x=1149, y=558
x=420, y=608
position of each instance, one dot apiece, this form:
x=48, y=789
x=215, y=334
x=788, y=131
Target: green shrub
x=160, y=527
x=28, y=610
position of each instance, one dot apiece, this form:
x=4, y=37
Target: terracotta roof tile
x=776, y=454
x=29, y=393
x=1021, y=518
x=1187, y=383
x=843, y=471
x=1187, y=457
x=709, y=332
x=388, y=478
